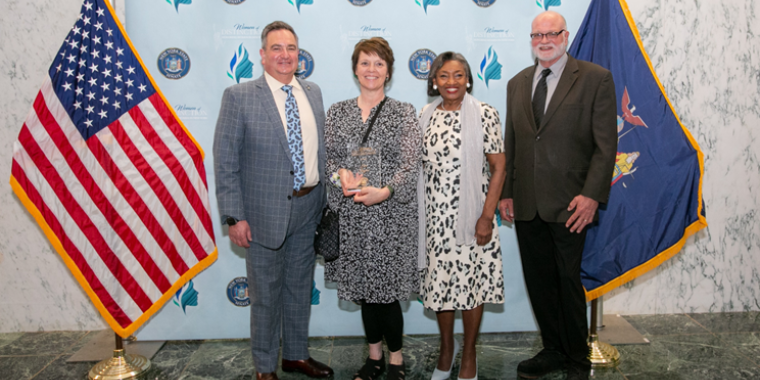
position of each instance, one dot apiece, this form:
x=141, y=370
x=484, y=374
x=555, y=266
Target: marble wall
x=707, y=55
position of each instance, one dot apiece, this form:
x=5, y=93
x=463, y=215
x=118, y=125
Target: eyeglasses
x=550, y=35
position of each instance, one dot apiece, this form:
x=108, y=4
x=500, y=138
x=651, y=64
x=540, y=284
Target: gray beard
x=561, y=49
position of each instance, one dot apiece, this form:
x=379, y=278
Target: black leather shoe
x=576, y=371
x=308, y=367
x=544, y=362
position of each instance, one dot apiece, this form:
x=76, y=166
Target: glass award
x=364, y=161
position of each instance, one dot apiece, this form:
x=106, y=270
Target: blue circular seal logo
x=237, y=292
x=173, y=63
x=305, y=64
x=359, y=3
x=420, y=62
x=234, y=2
x=484, y=3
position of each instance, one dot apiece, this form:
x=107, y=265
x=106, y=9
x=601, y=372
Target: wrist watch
x=230, y=221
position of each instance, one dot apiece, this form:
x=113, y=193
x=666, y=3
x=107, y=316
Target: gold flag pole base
x=601, y=355
x=121, y=366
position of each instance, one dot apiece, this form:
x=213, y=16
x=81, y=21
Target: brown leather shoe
x=308, y=367
x=267, y=376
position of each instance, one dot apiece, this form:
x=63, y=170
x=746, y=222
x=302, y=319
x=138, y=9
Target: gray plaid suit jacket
x=252, y=162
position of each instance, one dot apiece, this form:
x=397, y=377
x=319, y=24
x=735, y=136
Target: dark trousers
x=551, y=258
x=384, y=320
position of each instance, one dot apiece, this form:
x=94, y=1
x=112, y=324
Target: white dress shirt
x=308, y=124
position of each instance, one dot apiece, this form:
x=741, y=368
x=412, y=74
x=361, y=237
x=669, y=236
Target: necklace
x=444, y=107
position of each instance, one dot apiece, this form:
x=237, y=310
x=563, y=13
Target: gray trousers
x=280, y=282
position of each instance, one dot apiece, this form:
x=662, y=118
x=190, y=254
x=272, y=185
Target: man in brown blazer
x=561, y=141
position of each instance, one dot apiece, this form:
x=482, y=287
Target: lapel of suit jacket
x=271, y=109
x=527, y=94
x=566, y=81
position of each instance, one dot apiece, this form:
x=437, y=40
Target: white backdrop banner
x=196, y=48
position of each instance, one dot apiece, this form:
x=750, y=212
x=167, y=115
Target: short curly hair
x=439, y=61
x=374, y=45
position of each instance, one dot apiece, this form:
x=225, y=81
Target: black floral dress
x=457, y=277
x=378, y=244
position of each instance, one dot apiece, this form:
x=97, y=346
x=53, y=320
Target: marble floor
x=683, y=346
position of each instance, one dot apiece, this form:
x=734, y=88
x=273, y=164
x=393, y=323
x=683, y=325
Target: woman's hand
x=484, y=230
x=371, y=195
x=349, y=181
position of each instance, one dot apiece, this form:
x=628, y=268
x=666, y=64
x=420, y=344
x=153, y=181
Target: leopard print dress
x=378, y=244
x=457, y=277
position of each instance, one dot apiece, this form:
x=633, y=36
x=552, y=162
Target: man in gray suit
x=269, y=162
x=561, y=141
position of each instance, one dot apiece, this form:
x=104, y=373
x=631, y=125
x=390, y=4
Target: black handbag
x=327, y=239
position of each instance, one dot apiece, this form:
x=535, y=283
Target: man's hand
x=372, y=195
x=507, y=210
x=240, y=234
x=483, y=230
x=585, y=209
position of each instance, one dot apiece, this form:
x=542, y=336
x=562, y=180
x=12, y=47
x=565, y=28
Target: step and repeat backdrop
x=194, y=49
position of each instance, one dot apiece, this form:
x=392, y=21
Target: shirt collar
x=276, y=85
x=557, y=68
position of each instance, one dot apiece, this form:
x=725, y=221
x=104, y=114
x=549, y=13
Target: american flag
x=111, y=175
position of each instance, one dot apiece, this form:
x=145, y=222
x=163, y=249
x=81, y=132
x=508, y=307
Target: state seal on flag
x=174, y=63
x=237, y=292
x=420, y=62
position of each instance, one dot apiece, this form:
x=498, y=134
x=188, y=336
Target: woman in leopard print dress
x=463, y=170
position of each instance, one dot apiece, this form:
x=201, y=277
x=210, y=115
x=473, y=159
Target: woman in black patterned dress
x=377, y=266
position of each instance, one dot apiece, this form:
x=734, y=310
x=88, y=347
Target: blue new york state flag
x=656, y=197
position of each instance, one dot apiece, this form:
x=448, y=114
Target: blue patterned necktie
x=295, y=142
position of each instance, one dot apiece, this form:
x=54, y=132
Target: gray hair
x=275, y=25
x=564, y=22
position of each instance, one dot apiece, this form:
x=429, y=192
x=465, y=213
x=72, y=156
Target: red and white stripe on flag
x=127, y=208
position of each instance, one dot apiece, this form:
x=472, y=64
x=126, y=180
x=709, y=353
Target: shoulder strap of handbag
x=372, y=122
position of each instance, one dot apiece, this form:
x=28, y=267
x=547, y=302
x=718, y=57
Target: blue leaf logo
x=186, y=296
x=545, y=4
x=298, y=3
x=240, y=65
x=176, y=3
x=424, y=3
x=315, y=293
x=490, y=68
